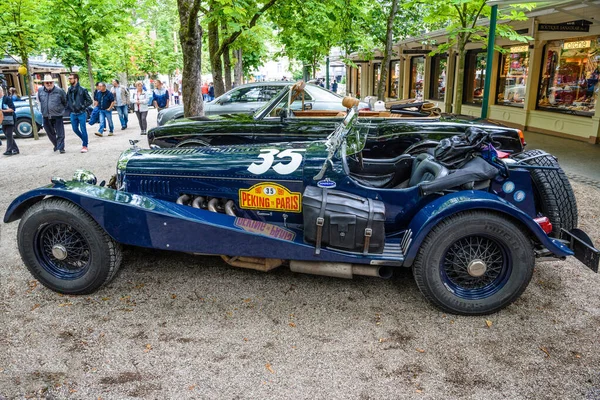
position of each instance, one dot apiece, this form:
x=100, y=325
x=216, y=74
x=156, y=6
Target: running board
x=392, y=254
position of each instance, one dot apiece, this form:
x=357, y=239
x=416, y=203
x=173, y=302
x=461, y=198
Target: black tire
x=92, y=257
x=553, y=193
x=441, y=272
x=23, y=128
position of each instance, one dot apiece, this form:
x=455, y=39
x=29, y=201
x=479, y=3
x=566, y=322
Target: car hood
x=273, y=161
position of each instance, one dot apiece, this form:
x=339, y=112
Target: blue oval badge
x=326, y=183
x=519, y=196
x=508, y=187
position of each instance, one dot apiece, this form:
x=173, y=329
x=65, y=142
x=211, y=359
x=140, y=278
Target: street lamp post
x=327, y=73
x=489, y=62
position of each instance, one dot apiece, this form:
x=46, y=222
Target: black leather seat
x=381, y=173
x=425, y=169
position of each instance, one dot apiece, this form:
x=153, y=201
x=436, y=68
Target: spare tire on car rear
x=553, y=193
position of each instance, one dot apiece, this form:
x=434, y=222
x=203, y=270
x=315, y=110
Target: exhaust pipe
x=183, y=199
x=260, y=264
x=229, y=210
x=212, y=205
x=198, y=202
x=340, y=270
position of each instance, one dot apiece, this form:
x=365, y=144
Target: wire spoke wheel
x=474, y=263
x=475, y=267
x=65, y=248
x=62, y=251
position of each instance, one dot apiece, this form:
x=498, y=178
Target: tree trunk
x=238, y=70
x=226, y=60
x=190, y=37
x=387, y=53
x=32, y=93
x=88, y=59
x=459, y=81
x=216, y=65
x=227, y=68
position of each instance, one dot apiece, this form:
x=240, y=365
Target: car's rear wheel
x=23, y=128
x=474, y=263
x=65, y=249
x=553, y=193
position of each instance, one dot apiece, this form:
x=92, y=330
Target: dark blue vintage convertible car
x=464, y=217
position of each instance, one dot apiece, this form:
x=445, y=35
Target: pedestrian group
x=54, y=103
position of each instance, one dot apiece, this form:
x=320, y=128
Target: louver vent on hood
x=173, y=151
x=227, y=150
x=151, y=186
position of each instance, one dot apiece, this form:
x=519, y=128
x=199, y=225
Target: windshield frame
x=265, y=110
x=336, y=141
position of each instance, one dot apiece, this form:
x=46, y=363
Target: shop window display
x=394, y=75
x=474, y=78
x=514, y=70
x=570, y=74
x=417, y=70
x=438, y=74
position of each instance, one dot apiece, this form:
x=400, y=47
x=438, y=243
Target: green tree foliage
x=226, y=21
x=252, y=42
x=78, y=26
x=402, y=19
x=20, y=34
x=161, y=55
x=308, y=29
x=463, y=20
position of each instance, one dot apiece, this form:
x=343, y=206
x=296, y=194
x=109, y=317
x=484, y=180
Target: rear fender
x=434, y=212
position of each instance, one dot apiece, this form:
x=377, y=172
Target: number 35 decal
x=283, y=168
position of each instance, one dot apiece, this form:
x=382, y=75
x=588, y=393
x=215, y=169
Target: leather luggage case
x=343, y=220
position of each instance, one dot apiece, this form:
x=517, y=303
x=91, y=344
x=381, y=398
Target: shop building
x=9, y=67
x=550, y=85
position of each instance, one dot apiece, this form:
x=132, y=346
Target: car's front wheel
x=65, y=249
x=474, y=263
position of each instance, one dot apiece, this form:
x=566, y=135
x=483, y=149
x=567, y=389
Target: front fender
x=153, y=223
x=443, y=207
x=24, y=112
x=88, y=197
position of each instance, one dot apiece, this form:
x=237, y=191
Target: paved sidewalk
x=581, y=161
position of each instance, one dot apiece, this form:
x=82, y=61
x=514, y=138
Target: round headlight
x=85, y=176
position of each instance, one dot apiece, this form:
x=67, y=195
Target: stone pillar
x=536, y=58
x=427, y=77
x=406, y=78
x=494, y=80
x=451, y=74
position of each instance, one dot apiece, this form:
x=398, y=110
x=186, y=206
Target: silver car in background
x=246, y=99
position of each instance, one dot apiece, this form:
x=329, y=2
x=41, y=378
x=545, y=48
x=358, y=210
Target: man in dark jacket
x=53, y=101
x=104, y=100
x=78, y=100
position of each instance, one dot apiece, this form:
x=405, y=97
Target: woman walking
x=8, y=123
x=139, y=99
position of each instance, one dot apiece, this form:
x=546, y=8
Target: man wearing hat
x=53, y=101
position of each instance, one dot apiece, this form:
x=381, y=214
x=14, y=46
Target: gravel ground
x=181, y=326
